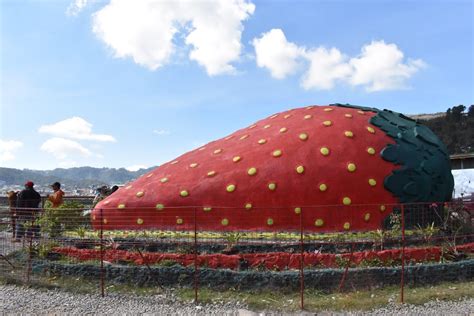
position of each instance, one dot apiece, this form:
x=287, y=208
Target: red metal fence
x=417, y=244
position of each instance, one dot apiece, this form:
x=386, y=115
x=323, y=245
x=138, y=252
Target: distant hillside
x=455, y=128
x=73, y=177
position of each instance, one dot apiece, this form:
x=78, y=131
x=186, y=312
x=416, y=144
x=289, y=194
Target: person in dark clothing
x=27, y=209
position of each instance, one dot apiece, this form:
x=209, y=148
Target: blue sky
x=127, y=84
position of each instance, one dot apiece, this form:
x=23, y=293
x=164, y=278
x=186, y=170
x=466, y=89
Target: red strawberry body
x=319, y=162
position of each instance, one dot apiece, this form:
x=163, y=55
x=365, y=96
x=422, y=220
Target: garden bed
x=271, y=261
x=321, y=279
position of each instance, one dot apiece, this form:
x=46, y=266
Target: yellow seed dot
x=348, y=115
x=300, y=169
x=163, y=180
x=324, y=151
x=382, y=208
x=211, y=173
x=202, y=148
x=128, y=187
x=252, y=126
x=225, y=222
x=323, y=187
x=179, y=221
x=193, y=165
x=150, y=175
x=327, y=123
x=273, y=116
x=371, y=151
x=346, y=201
x=248, y=206
x=372, y=182
x=287, y=116
x=139, y=221
x=140, y=194
x=349, y=134
x=230, y=188
x=303, y=136
x=252, y=171
x=106, y=202
x=361, y=112
x=267, y=126
x=217, y=151
x=159, y=207
x=283, y=130
x=236, y=159
x=262, y=141
x=121, y=206
x=371, y=130
x=174, y=162
x=347, y=226
x=184, y=193
x=351, y=167
x=297, y=210
x=207, y=209
x=272, y=186
x=104, y=220
x=367, y=217
x=328, y=109
x=319, y=222
x=309, y=107
x=270, y=221
x=277, y=153
x=307, y=117
x=229, y=137
x=244, y=137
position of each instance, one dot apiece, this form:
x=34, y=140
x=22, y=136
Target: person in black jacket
x=27, y=209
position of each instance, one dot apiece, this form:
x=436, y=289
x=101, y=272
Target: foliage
x=456, y=129
x=68, y=216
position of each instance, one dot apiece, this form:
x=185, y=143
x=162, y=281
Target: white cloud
x=8, y=149
x=161, y=132
x=145, y=31
x=325, y=68
x=63, y=148
x=379, y=66
x=274, y=52
x=136, y=167
x=76, y=7
x=75, y=128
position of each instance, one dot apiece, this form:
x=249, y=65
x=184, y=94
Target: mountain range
x=81, y=177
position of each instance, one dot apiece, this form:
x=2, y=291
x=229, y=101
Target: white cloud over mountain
x=147, y=31
x=63, y=148
x=8, y=149
x=379, y=66
x=67, y=133
x=75, y=128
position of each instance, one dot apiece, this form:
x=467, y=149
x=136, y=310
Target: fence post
x=402, y=281
x=101, y=235
x=346, y=269
x=301, y=262
x=30, y=251
x=195, y=259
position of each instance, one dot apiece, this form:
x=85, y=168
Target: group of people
x=25, y=207
x=103, y=192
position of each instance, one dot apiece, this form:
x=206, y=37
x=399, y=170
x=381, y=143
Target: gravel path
x=20, y=300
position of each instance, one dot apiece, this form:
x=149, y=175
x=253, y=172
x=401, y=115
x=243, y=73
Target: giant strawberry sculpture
x=326, y=168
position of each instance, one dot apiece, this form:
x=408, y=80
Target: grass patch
x=276, y=300
x=318, y=301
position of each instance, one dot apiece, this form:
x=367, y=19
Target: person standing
x=26, y=211
x=57, y=197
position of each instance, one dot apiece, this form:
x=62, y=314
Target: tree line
x=456, y=129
